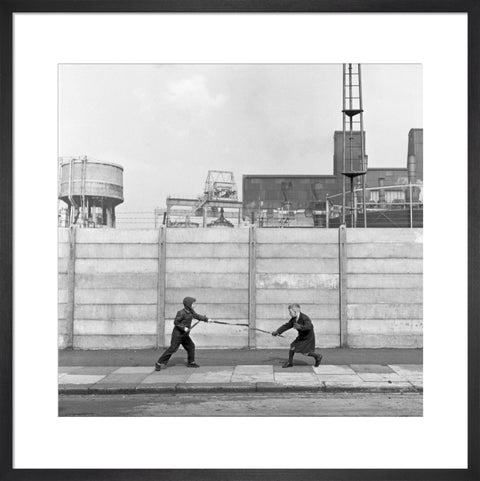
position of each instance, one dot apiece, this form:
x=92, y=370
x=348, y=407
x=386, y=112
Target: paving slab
x=294, y=368
x=117, y=379
x=96, y=370
x=410, y=372
x=296, y=378
x=375, y=376
x=218, y=376
x=407, y=367
x=332, y=369
x=252, y=374
x=253, y=368
x=202, y=369
x=345, y=378
x=134, y=370
x=253, y=378
x=377, y=368
x=80, y=379
x=162, y=377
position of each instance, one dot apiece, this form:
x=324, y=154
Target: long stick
x=240, y=324
x=237, y=324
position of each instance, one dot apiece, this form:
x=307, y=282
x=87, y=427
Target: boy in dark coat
x=181, y=335
x=305, y=341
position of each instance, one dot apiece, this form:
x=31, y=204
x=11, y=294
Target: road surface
x=243, y=404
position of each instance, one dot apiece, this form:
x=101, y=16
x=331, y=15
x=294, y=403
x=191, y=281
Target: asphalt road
x=243, y=404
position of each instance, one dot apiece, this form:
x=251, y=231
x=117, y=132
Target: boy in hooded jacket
x=181, y=335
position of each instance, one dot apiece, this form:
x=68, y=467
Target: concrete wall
x=297, y=266
x=385, y=287
x=122, y=289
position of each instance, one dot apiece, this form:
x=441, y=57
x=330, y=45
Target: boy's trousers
x=179, y=338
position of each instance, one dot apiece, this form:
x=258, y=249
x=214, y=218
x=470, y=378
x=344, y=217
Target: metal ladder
x=353, y=165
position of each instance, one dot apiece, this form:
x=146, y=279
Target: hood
x=188, y=301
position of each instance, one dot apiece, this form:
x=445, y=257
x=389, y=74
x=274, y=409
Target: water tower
x=91, y=189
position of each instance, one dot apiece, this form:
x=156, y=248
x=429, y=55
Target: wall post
x=70, y=308
x=342, y=253
x=161, y=286
x=252, y=294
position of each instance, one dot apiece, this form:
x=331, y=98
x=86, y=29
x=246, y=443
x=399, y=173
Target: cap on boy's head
x=188, y=301
x=294, y=306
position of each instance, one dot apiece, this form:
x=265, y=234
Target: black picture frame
x=7, y=8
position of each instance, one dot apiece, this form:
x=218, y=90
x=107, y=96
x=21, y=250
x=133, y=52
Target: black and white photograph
x=221, y=257
x=240, y=240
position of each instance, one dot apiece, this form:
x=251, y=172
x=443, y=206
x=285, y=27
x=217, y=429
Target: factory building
x=296, y=192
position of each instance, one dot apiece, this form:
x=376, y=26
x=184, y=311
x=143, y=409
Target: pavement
x=342, y=370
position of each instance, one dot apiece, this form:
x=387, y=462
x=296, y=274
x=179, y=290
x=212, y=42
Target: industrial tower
x=354, y=162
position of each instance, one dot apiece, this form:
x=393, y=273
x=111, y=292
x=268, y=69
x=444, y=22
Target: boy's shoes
x=288, y=364
x=192, y=364
x=318, y=360
x=158, y=367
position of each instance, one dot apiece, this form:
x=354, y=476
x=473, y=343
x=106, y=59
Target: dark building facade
x=300, y=191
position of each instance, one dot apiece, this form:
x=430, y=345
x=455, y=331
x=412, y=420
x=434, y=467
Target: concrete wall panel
x=385, y=311
x=63, y=265
x=61, y=310
x=219, y=312
x=297, y=281
x=117, y=236
x=137, y=312
x=280, y=311
x=385, y=266
x=297, y=250
x=384, y=281
x=117, y=281
x=218, y=235
x=105, y=266
x=186, y=280
x=288, y=296
x=386, y=327
x=388, y=251
x=292, y=235
x=116, y=296
x=62, y=281
x=62, y=235
x=385, y=296
x=385, y=341
x=62, y=296
x=62, y=327
x=207, y=265
x=62, y=341
x=297, y=266
x=377, y=236
x=117, y=251
x=208, y=295
x=88, y=327
x=63, y=249
x=114, y=342
x=214, y=250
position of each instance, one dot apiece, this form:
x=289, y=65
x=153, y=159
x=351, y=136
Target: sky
x=169, y=124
